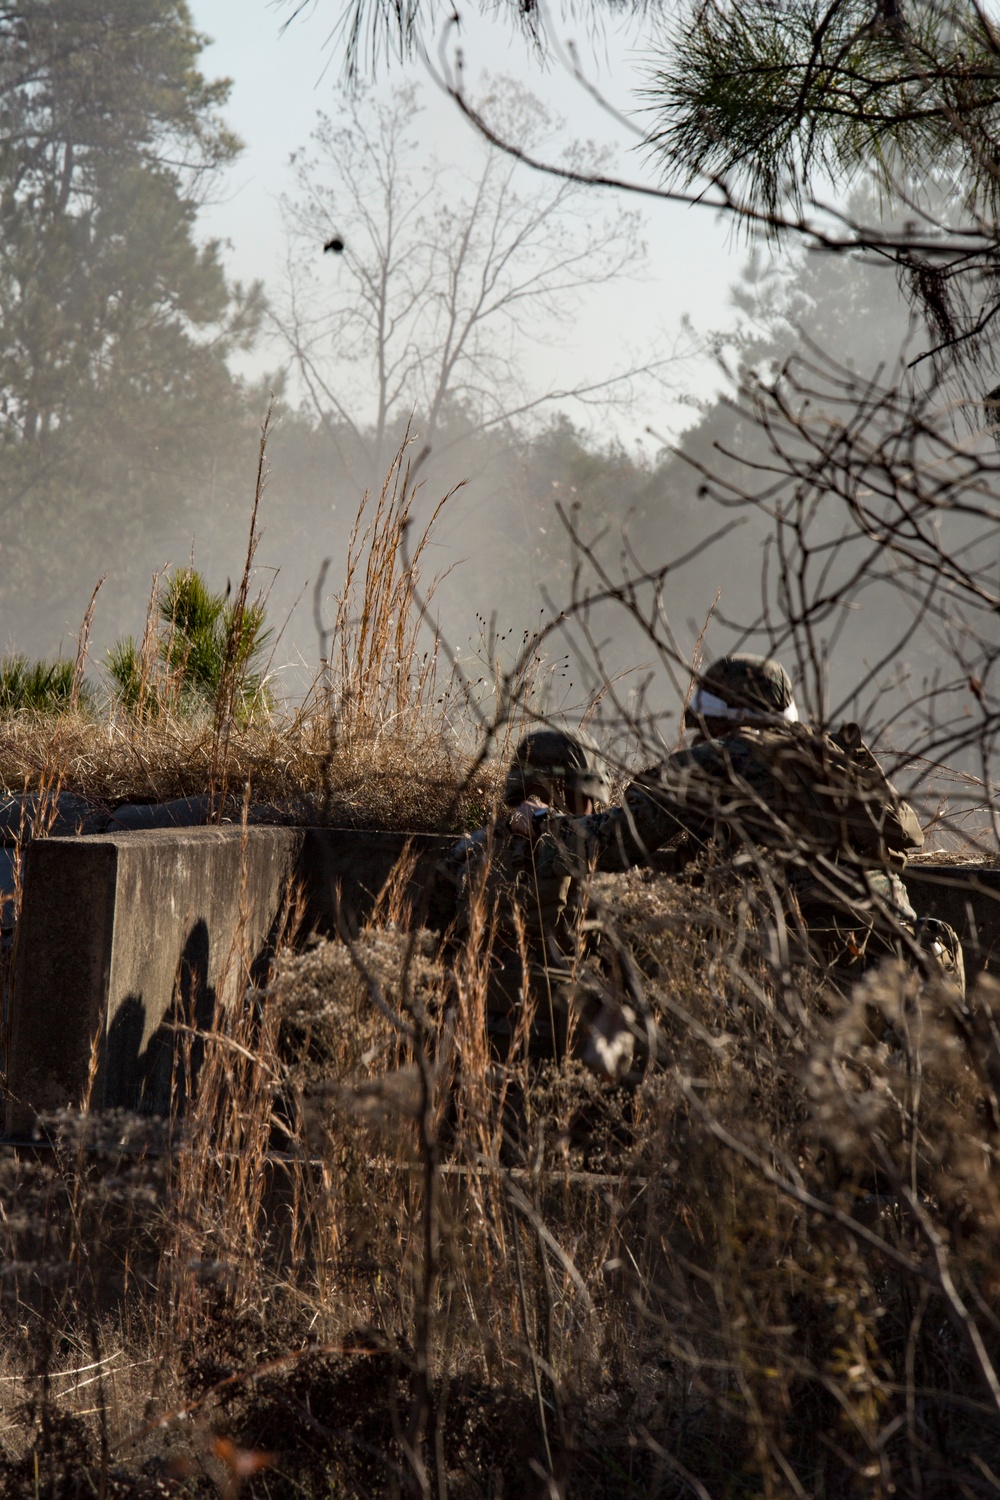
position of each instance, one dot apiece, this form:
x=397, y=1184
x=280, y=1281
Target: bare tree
x=437, y=282
x=769, y=112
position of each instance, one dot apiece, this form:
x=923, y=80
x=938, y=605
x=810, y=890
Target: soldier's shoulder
x=796, y=741
x=703, y=758
x=745, y=745
x=688, y=757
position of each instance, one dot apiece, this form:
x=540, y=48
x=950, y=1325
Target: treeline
x=127, y=442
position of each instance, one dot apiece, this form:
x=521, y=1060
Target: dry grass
x=363, y=1258
x=771, y=1269
x=402, y=780
x=381, y=740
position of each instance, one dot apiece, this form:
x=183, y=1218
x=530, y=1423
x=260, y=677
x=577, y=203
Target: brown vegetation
x=380, y=741
x=365, y=1258
x=369, y=1261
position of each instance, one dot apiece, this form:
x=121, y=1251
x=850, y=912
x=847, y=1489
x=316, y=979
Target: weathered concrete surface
x=352, y=866
x=118, y=934
x=27, y=817
x=121, y=931
x=965, y=894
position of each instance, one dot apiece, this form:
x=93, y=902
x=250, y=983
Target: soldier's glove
x=526, y=820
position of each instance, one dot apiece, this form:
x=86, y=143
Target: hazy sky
x=284, y=73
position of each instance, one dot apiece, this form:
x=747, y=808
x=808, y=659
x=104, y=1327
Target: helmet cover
x=548, y=757
x=743, y=687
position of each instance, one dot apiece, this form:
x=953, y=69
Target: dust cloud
x=501, y=562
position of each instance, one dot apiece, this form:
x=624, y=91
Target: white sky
x=282, y=75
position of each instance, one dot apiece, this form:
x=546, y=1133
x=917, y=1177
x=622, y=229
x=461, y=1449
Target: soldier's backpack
x=795, y=790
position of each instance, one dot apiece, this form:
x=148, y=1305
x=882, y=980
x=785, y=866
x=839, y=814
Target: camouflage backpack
x=794, y=790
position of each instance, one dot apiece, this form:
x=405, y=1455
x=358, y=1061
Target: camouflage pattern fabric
x=940, y=943
x=532, y=911
x=818, y=805
x=813, y=810
x=757, y=684
x=497, y=866
x=547, y=759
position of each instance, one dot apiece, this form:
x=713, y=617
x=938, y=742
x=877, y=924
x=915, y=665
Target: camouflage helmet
x=546, y=757
x=743, y=687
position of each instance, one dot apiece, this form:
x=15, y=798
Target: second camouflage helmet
x=743, y=687
x=547, y=756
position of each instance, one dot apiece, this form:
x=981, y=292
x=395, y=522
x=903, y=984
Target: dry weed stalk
x=223, y=1121
x=772, y=1268
x=381, y=680
x=83, y=645
x=226, y=703
x=731, y=1268
x=370, y=744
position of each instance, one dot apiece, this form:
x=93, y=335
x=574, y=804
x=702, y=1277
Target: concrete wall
x=118, y=933
x=122, y=931
x=352, y=866
x=967, y=896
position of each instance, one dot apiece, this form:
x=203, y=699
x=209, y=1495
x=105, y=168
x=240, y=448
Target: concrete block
x=121, y=932
x=968, y=896
x=353, y=865
x=118, y=934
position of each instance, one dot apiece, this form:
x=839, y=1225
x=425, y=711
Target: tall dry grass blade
x=381, y=677
x=225, y=704
x=695, y=667
x=83, y=645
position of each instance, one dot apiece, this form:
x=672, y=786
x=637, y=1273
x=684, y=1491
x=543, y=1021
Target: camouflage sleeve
x=450, y=879
x=913, y=834
x=614, y=840
x=453, y=867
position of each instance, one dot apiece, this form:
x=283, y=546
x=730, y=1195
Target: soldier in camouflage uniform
x=530, y=892
x=811, y=812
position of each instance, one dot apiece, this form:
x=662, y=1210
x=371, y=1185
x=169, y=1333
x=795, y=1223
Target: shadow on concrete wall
x=155, y=1078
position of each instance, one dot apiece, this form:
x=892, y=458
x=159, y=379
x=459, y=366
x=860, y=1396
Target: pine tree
x=115, y=325
x=787, y=106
